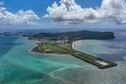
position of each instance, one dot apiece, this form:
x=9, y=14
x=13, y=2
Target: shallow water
x=19, y=66
x=114, y=50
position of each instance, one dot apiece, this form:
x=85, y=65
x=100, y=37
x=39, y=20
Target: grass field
x=51, y=48
x=66, y=45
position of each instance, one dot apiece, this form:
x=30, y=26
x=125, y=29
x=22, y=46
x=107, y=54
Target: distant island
x=72, y=35
x=61, y=43
x=5, y=33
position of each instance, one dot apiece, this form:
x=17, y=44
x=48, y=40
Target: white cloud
x=69, y=11
x=19, y=18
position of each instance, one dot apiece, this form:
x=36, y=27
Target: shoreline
x=35, y=51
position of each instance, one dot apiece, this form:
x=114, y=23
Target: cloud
x=70, y=12
x=19, y=18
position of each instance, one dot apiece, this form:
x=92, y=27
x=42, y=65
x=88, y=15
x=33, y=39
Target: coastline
x=35, y=51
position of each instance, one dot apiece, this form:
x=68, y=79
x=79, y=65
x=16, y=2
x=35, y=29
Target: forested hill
x=76, y=35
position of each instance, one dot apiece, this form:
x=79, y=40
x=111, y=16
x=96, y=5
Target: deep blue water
x=6, y=43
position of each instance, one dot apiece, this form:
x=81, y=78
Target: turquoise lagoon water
x=19, y=66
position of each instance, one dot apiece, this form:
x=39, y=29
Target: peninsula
x=62, y=43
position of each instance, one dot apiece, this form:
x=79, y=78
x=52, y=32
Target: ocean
x=20, y=66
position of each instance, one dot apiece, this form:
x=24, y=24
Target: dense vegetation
x=72, y=36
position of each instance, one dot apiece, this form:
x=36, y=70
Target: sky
x=40, y=6
x=25, y=14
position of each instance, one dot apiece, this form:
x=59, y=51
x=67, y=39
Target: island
x=9, y=33
x=61, y=43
